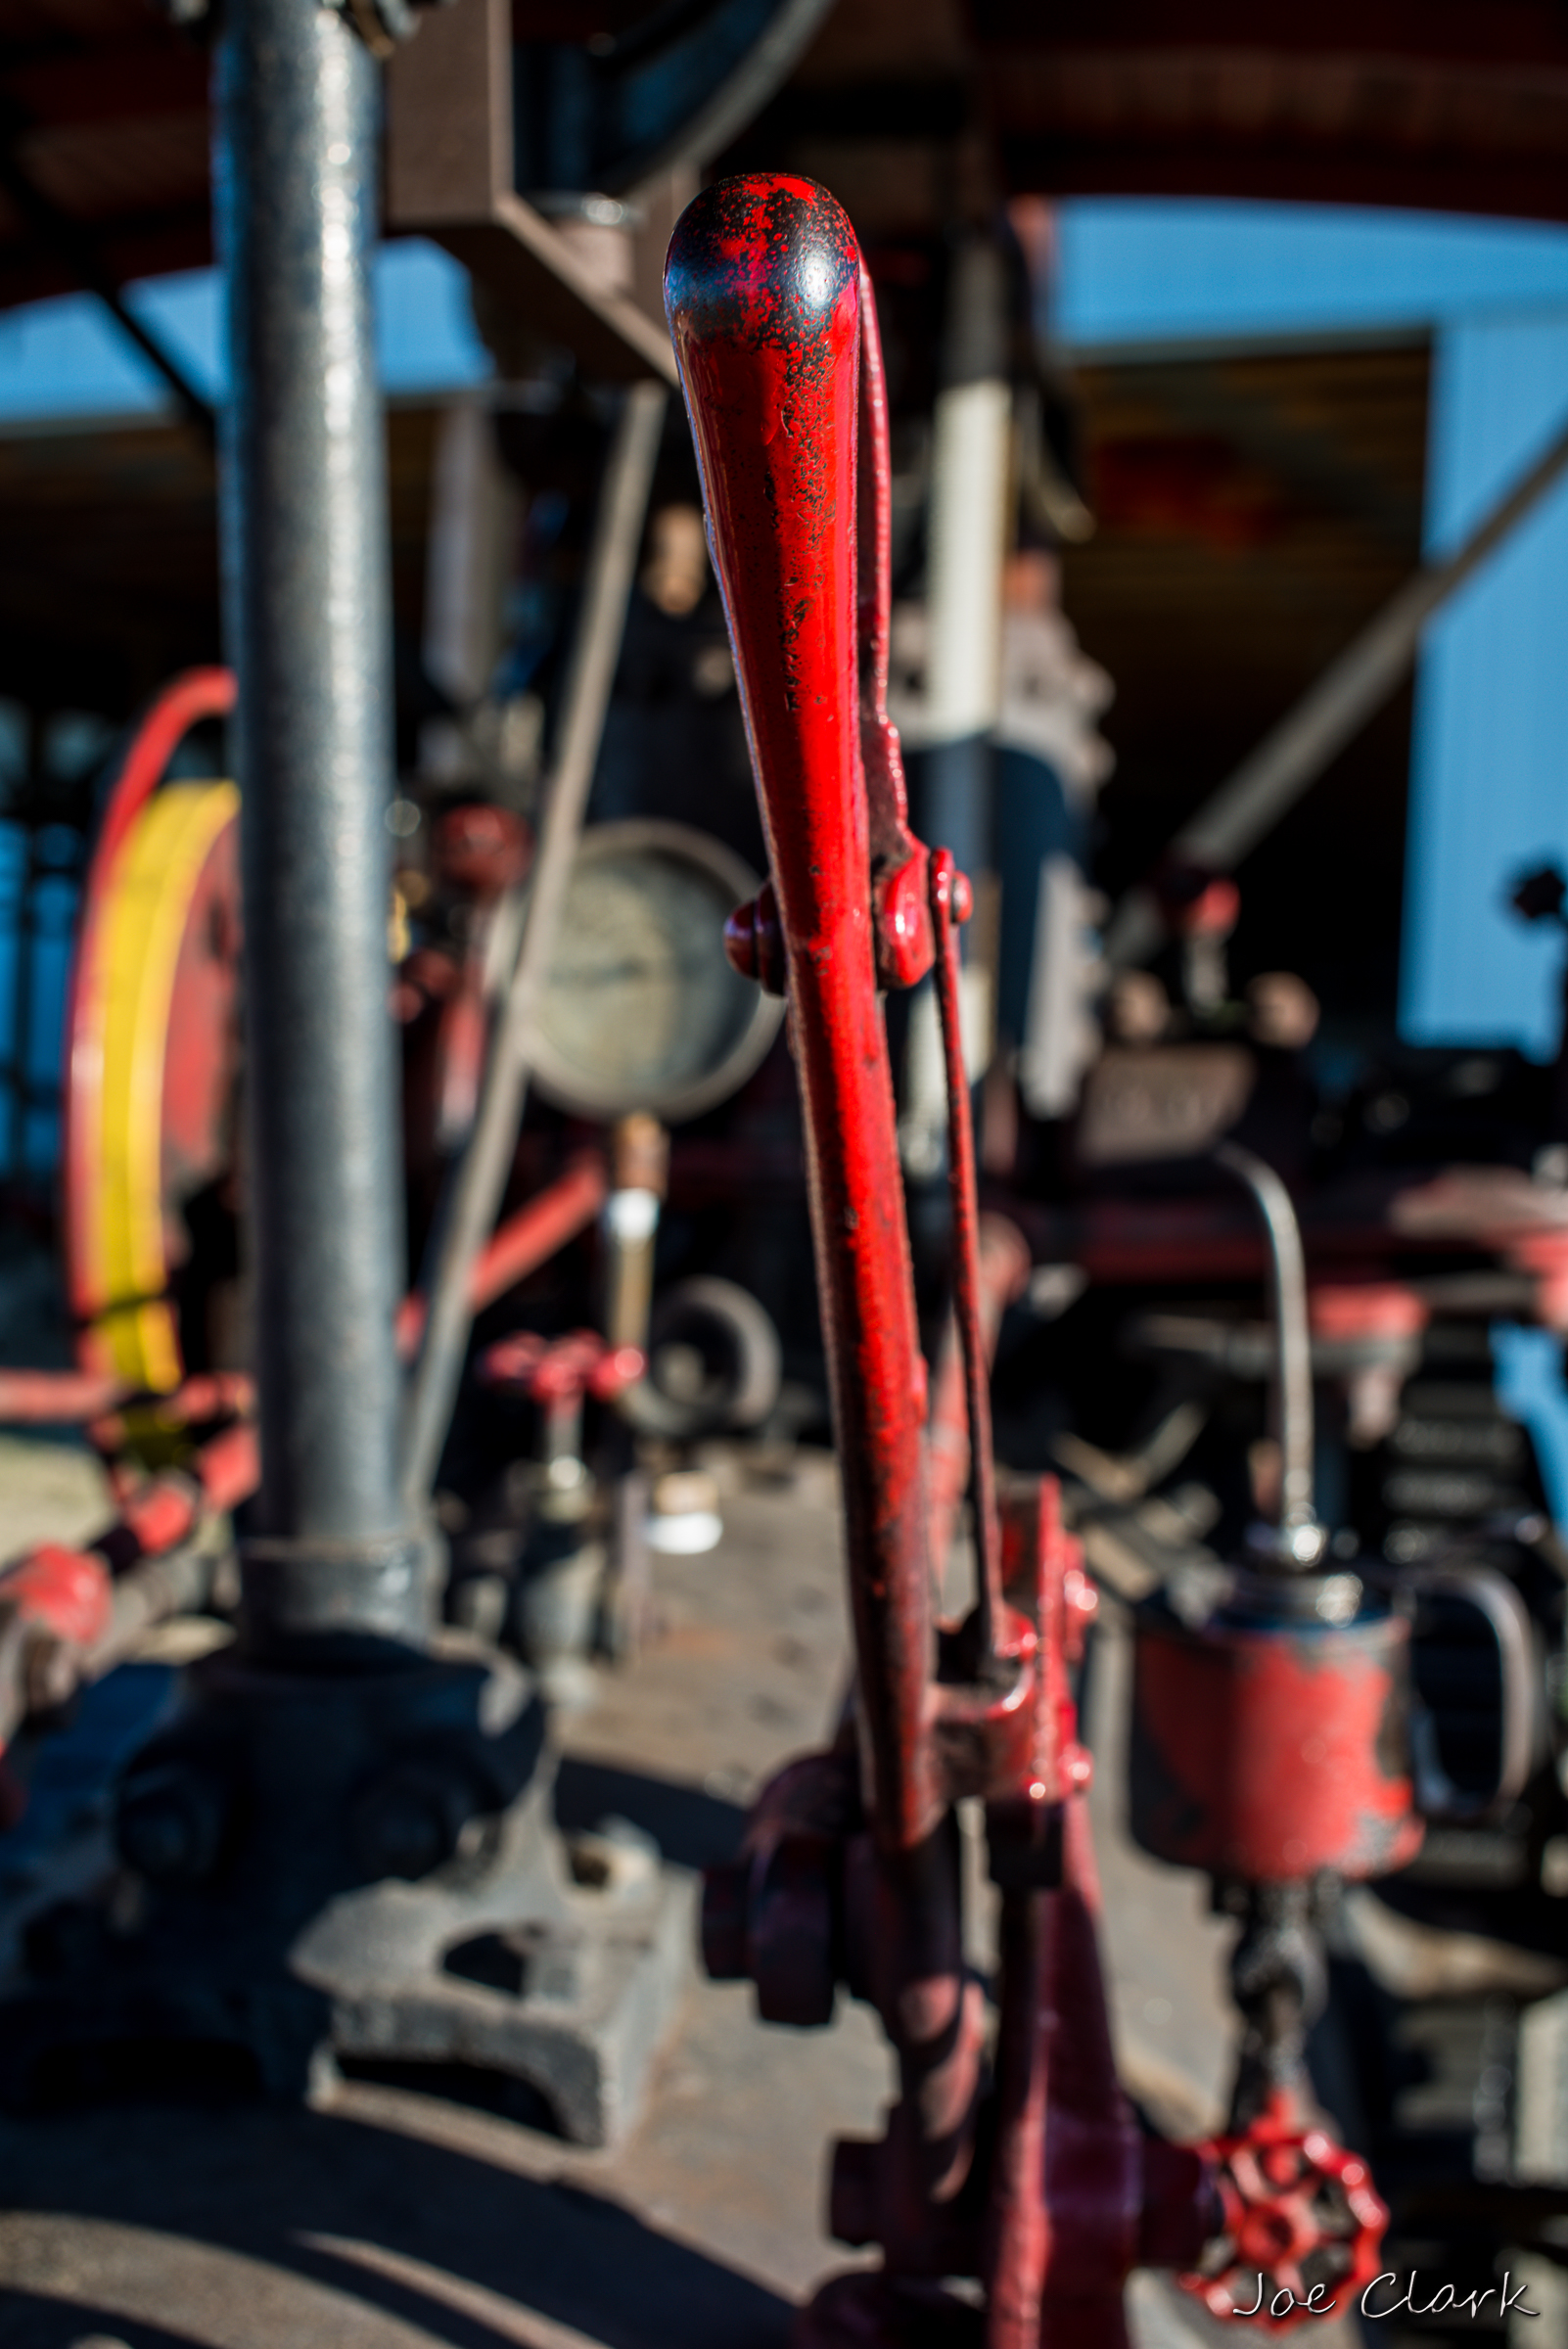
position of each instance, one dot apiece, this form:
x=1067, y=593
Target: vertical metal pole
x=307, y=575
x=953, y=782
x=968, y=543
x=468, y=1211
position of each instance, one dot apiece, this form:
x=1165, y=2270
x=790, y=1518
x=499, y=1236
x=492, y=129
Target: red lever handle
x=763, y=289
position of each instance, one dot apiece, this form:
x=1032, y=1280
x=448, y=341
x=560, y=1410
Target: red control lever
x=762, y=288
x=850, y=1871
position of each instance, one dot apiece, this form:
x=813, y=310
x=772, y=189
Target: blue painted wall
x=1133, y=271
x=1488, y=784
x=1489, y=794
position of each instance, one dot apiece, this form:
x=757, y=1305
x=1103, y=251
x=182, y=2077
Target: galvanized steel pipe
x=308, y=593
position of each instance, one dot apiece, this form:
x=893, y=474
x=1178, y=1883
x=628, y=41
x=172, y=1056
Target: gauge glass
x=643, y=1009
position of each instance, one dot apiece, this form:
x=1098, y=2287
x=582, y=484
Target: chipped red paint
x=763, y=289
x=1265, y=1754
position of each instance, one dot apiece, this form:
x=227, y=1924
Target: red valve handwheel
x=1288, y=2191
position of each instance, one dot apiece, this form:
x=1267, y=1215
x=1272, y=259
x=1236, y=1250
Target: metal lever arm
x=762, y=288
x=851, y=1867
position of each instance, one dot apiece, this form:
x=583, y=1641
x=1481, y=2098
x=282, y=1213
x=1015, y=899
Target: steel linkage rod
x=469, y=1211
x=306, y=562
x=950, y=906
x=1002, y=1271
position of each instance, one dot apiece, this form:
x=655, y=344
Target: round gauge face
x=642, y=1010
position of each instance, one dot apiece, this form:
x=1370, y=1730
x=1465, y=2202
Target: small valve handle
x=560, y=1372
x=1288, y=2192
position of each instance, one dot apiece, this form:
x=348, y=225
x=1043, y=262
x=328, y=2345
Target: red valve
x=1288, y=2193
x=560, y=1370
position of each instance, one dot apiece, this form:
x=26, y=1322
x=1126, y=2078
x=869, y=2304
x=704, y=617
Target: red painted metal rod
x=1002, y=1271
x=763, y=290
x=1094, y=2185
x=1019, y=2233
x=950, y=906
x=764, y=293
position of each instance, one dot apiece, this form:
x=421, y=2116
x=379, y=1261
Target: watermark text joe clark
x=1383, y=2298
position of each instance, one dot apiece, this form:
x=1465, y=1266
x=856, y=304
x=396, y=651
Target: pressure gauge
x=642, y=1010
